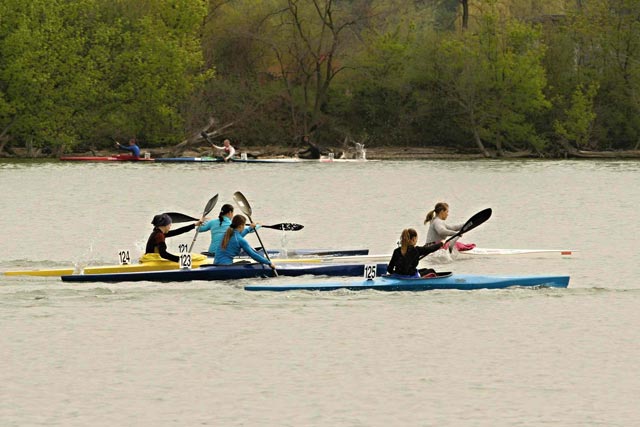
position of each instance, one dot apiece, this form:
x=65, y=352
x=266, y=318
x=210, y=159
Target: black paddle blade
x=242, y=202
x=473, y=222
x=476, y=220
x=180, y=217
x=210, y=204
x=286, y=226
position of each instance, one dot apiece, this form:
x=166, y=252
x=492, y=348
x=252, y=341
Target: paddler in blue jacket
x=218, y=227
x=132, y=147
x=233, y=242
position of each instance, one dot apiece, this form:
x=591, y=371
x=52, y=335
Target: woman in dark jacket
x=161, y=230
x=405, y=259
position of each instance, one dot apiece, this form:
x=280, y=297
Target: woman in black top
x=161, y=230
x=405, y=259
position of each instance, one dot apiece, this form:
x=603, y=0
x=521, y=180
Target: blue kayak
x=464, y=282
x=227, y=272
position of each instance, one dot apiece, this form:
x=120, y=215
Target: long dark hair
x=405, y=238
x=226, y=208
x=236, y=222
x=440, y=206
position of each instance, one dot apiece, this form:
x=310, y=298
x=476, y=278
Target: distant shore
x=372, y=153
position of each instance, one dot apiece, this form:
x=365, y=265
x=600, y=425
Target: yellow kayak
x=153, y=262
x=148, y=262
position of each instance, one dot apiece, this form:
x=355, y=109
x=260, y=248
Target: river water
x=209, y=353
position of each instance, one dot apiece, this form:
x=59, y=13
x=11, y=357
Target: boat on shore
x=442, y=281
x=229, y=272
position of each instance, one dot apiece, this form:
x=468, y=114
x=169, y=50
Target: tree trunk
x=479, y=144
x=465, y=14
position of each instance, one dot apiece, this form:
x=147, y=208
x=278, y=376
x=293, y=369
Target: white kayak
x=496, y=251
x=475, y=252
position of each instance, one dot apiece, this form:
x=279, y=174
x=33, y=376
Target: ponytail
x=405, y=239
x=440, y=206
x=236, y=222
x=226, y=208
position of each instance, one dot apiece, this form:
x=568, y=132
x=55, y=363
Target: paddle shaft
x=246, y=208
x=208, y=207
x=266, y=254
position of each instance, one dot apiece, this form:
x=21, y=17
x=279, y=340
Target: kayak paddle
x=245, y=207
x=471, y=223
x=180, y=217
x=208, y=207
x=286, y=226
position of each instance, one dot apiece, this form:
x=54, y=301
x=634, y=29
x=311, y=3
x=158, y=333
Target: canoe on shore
x=464, y=282
x=228, y=272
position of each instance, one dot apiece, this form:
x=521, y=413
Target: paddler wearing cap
x=162, y=230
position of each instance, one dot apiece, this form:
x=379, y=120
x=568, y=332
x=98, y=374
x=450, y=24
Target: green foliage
x=576, y=127
x=95, y=69
x=525, y=75
x=491, y=80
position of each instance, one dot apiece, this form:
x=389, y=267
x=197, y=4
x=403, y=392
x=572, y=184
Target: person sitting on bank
x=132, y=147
x=161, y=230
x=228, y=149
x=404, y=260
x=233, y=243
x=312, y=151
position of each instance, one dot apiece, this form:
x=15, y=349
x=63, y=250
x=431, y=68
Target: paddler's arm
x=427, y=249
x=253, y=254
x=232, y=152
x=183, y=230
x=162, y=251
x=392, y=262
x=206, y=226
x=250, y=229
x=443, y=230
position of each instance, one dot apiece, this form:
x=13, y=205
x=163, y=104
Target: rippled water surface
x=209, y=353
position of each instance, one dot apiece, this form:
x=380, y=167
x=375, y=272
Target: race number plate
x=370, y=271
x=124, y=257
x=185, y=256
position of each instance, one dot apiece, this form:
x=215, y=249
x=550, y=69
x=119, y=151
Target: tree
x=491, y=80
x=94, y=69
x=577, y=126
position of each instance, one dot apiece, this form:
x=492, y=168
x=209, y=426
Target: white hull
x=495, y=251
x=376, y=258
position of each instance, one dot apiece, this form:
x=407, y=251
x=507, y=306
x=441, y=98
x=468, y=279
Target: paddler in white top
x=439, y=230
x=227, y=148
